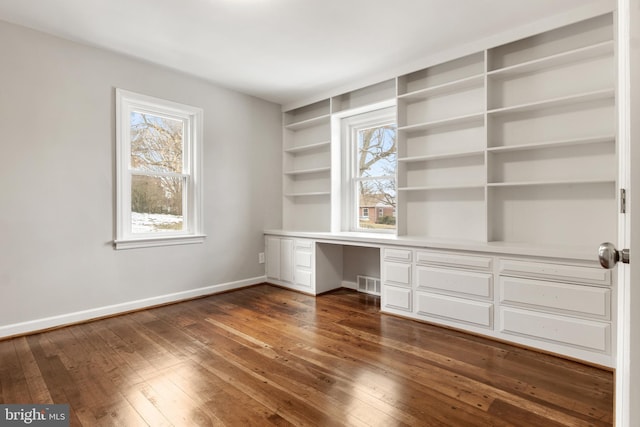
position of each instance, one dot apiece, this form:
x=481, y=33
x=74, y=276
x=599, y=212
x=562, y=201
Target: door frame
x=627, y=378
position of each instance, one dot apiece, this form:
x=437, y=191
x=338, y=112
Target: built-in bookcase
x=307, y=167
x=514, y=144
x=551, y=137
x=441, y=150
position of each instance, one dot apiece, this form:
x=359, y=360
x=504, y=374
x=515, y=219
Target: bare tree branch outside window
x=377, y=155
x=157, y=145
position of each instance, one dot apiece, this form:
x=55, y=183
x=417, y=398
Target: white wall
x=360, y=261
x=57, y=140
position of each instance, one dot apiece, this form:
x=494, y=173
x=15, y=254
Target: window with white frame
x=369, y=171
x=158, y=172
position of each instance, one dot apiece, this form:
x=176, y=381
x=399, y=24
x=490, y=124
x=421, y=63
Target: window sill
x=149, y=242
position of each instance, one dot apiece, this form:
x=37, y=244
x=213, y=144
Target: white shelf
x=442, y=187
x=441, y=156
x=550, y=183
x=307, y=194
x=308, y=171
x=555, y=102
x=552, y=144
x=464, y=83
x=468, y=118
x=307, y=147
x=599, y=49
x=303, y=124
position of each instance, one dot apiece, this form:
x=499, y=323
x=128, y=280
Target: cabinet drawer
x=397, y=298
x=571, y=299
x=453, y=260
x=458, y=309
x=303, y=259
x=564, y=330
x=397, y=273
x=397, y=254
x=304, y=244
x=303, y=277
x=561, y=272
x=463, y=282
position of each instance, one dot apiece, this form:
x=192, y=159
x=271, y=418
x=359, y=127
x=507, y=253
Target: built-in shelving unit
x=513, y=144
x=441, y=150
x=551, y=147
x=307, y=167
x=507, y=182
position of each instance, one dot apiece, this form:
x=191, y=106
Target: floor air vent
x=369, y=285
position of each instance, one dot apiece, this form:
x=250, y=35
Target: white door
x=628, y=329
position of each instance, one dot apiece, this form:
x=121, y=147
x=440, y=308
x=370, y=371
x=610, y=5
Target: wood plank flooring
x=266, y=356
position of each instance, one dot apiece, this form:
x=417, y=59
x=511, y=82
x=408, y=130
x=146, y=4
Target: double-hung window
x=159, y=188
x=369, y=171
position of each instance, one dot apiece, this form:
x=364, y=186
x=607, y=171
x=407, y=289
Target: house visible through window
x=158, y=172
x=369, y=171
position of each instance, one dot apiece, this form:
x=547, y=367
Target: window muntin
x=159, y=192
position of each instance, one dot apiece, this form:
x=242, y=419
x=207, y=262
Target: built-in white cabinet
x=444, y=287
x=279, y=259
x=396, y=267
x=303, y=264
x=507, y=168
x=561, y=306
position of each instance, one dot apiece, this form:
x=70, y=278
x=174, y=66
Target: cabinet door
x=273, y=257
x=286, y=260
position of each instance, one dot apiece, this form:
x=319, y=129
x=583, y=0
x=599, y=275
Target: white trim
x=349, y=285
x=110, y=310
x=623, y=320
x=371, y=116
x=149, y=242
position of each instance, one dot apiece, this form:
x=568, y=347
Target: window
x=158, y=172
x=369, y=171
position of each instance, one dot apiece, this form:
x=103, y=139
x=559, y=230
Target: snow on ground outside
x=149, y=223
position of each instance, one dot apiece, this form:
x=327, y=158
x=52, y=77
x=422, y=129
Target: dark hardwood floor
x=268, y=356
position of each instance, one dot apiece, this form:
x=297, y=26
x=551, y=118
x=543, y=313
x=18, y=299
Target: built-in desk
x=557, y=300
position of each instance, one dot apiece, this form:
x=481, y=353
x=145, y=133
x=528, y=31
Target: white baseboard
x=350, y=285
x=36, y=325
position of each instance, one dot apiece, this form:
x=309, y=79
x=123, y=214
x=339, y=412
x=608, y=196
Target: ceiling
x=283, y=51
